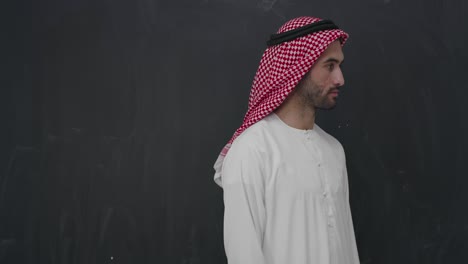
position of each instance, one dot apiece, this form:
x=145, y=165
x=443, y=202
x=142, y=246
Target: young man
x=284, y=178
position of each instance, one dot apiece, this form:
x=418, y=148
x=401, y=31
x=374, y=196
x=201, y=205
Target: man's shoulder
x=253, y=136
x=331, y=140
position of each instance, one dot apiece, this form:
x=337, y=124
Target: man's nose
x=338, y=79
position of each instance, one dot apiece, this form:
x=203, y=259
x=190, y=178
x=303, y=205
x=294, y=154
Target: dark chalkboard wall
x=114, y=112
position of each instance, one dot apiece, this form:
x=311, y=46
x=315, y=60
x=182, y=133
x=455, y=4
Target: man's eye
x=331, y=66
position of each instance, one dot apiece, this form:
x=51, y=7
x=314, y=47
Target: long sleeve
x=244, y=215
x=352, y=241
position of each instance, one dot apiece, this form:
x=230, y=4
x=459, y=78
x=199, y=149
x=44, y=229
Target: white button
x=330, y=225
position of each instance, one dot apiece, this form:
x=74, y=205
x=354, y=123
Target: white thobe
x=286, y=197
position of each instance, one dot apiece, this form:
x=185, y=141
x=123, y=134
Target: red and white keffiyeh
x=281, y=68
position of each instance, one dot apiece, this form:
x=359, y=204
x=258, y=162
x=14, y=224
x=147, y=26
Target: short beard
x=312, y=96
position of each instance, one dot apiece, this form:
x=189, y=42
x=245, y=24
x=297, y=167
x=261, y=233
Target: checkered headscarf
x=281, y=68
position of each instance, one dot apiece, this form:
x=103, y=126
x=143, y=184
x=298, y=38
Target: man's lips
x=334, y=92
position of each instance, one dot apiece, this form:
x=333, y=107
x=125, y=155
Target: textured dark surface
x=113, y=113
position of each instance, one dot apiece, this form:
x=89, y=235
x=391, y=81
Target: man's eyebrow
x=333, y=60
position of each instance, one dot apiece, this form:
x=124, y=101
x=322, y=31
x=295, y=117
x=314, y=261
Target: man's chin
x=327, y=106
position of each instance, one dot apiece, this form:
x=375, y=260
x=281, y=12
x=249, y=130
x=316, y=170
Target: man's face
x=319, y=87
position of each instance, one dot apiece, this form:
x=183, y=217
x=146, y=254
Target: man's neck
x=296, y=115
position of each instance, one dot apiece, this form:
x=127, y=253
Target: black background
x=113, y=113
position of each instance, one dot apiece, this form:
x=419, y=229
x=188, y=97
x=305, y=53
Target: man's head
x=292, y=52
x=319, y=88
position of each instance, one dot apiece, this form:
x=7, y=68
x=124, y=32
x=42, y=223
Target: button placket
x=326, y=193
x=315, y=150
x=307, y=134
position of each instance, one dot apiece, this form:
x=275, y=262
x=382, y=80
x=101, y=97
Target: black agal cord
x=321, y=25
